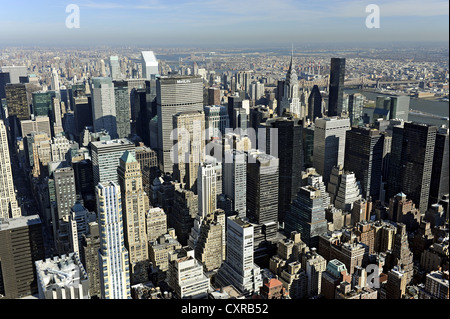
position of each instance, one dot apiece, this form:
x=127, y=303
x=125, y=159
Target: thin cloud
x=292, y=10
x=222, y=20
x=285, y=10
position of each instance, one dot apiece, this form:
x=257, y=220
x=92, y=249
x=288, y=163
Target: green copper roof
x=127, y=157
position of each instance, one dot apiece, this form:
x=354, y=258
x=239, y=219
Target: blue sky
x=221, y=22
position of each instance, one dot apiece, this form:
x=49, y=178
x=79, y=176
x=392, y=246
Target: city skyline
x=224, y=150
x=220, y=23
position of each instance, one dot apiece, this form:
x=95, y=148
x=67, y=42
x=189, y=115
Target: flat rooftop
x=60, y=271
x=18, y=222
x=150, y=58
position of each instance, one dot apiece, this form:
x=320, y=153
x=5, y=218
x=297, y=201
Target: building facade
x=185, y=275
x=113, y=255
x=104, y=106
x=364, y=157
x=329, y=144
x=8, y=203
x=62, y=278
x=174, y=94
x=22, y=245
x=287, y=145
x=239, y=269
x=336, y=88
x=189, y=148
x=135, y=204
x=235, y=180
x=105, y=158
x=262, y=190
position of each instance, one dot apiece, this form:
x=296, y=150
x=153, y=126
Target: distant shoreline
x=432, y=99
x=429, y=98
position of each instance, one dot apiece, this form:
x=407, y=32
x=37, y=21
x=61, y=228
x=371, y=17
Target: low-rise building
x=345, y=291
x=436, y=286
x=62, y=278
x=185, y=275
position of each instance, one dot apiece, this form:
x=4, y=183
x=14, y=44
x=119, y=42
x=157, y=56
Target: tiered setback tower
x=135, y=204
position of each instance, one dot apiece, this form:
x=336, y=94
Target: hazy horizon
x=222, y=23
x=443, y=45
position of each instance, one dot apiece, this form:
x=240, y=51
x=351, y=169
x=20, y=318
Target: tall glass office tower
x=21, y=246
x=114, y=67
x=123, y=108
x=149, y=65
x=4, y=79
x=307, y=215
x=411, y=162
x=417, y=162
x=336, y=88
x=399, y=107
x=314, y=104
x=235, y=180
x=440, y=175
x=289, y=146
x=394, y=173
x=355, y=108
x=329, y=144
x=174, y=94
x=364, y=157
x=262, y=190
x=17, y=101
x=42, y=103
x=105, y=158
x=104, y=106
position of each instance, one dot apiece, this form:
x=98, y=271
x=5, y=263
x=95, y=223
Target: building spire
x=290, y=64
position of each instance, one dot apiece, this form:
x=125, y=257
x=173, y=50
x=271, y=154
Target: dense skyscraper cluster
x=193, y=181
